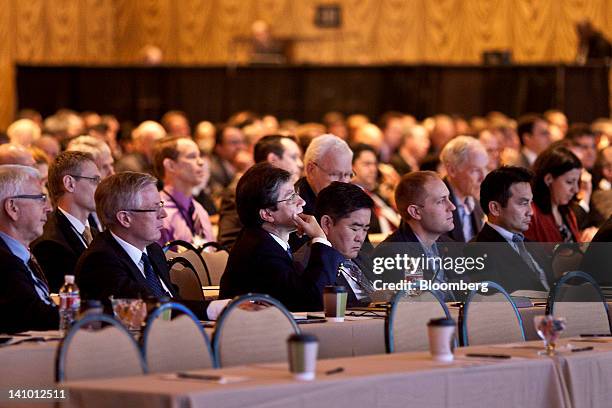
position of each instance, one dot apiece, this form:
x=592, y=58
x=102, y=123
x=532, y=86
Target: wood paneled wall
x=201, y=31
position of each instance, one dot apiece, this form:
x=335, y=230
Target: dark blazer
x=477, y=218
x=503, y=264
x=105, y=269
x=390, y=248
x=257, y=263
x=310, y=199
x=21, y=307
x=58, y=249
x=597, y=260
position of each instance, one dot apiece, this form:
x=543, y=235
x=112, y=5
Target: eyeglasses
x=38, y=197
x=293, y=198
x=94, y=179
x=157, y=209
x=336, y=176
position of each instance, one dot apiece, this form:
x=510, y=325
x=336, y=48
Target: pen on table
x=582, y=349
x=488, y=355
x=192, y=376
x=334, y=371
x=596, y=335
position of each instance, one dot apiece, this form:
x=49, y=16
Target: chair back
x=566, y=257
x=253, y=329
x=579, y=299
x=103, y=353
x=183, y=275
x=175, y=344
x=215, y=263
x=490, y=318
x=406, y=322
x=192, y=254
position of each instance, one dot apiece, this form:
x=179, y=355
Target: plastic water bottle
x=70, y=302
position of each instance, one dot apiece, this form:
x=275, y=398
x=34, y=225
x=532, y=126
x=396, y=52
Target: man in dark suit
x=344, y=212
x=125, y=261
x=465, y=160
x=261, y=260
x=423, y=202
x=506, y=197
x=534, y=133
x=24, y=294
x=73, y=177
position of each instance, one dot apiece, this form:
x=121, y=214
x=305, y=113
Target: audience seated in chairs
x=69, y=230
x=261, y=260
x=125, y=260
x=24, y=292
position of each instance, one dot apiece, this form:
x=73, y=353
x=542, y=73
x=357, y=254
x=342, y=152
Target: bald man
x=15, y=154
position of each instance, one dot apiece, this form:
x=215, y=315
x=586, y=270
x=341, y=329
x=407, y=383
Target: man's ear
x=124, y=218
x=450, y=170
x=272, y=159
x=495, y=208
x=169, y=164
x=309, y=167
x=69, y=183
x=11, y=209
x=266, y=215
x=326, y=224
x=414, y=211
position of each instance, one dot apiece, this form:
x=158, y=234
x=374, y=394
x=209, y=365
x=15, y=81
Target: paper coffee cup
x=441, y=333
x=303, y=349
x=334, y=302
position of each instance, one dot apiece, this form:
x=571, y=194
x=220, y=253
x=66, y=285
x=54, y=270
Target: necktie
x=356, y=274
x=289, y=253
x=533, y=266
x=466, y=218
x=152, y=279
x=87, y=235
x=40, y=282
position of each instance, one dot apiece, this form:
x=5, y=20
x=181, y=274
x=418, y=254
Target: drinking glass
x=549, y=329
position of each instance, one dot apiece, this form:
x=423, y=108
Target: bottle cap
x=69, y=279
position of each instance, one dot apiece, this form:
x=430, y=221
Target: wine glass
x=549, y=329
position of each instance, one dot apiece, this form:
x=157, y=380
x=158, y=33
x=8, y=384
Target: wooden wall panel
x=373, y=32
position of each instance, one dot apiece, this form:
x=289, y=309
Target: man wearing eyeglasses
x=261, y=261
x=328, y=158
x=24, y=294
x=125, y=261
x=73, y=178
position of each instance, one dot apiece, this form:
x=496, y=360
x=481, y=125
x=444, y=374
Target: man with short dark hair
x=229, y=141
x=125, y=260
x=69, y=230
x=506, y=198
x=535, y=138
x=24, y=294
x=261, y=261
x=280, y=151
x=343, y=210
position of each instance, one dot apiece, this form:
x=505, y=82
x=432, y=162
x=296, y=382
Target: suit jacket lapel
x=69, y=233
x=125, y=258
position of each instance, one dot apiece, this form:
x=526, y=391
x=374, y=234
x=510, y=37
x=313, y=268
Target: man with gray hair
x=327, y=159
x=125, y=260
x=23, y=132
x=465, y=160
x=24, y=294
x=15, y=154
x=144, y=138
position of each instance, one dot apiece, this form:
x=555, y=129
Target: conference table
x=361, y=334
x=526, y=379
